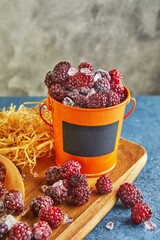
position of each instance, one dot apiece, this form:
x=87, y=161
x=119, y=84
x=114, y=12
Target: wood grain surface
x=131, y=159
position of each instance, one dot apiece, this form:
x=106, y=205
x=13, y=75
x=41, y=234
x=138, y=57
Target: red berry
x=40, y=202
x=117, y=88
x=78, y=180
x=80, y=195
x=96, y=100
x=85, y=65
x=112, y=99
x=2, y=189
x=52, y=215
x=3, y=230
x=70, y=167
x=116, y=76
x=20, y=231
x=140, y=212
x=80, y=80
x=60, y=72
x=41, y=230
x=104, y=185
x=100, y=73
x=49, y=79
x=13, y=202
x=53, y=174
x=129, y=194
x=57, y=92
x=80, y=100
x=101, y=85
x=2, y=173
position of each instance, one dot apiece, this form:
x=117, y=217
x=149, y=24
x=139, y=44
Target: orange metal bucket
x=90, y=136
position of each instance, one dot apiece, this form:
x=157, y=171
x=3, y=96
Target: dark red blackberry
x=41, y=230
x=68, y=168
x=129, y=194
x=122, y=96
x=2, y=189
x=96, y=100
x=60, y=72
x=104, y=185
x=100, y=73
x=53, y=174
x=101, y=85
x=80, y=80
x=78, y=180
x=72, y=94
x=80, y=100
x=1, y=206
x=112, y=99
x=20, y=231
x=13, y=202
x=49, y=81
x=116, y=76
x=140, y=212
x=80, y=195
x=57, y=192
x=85, y=65
x=84, y=90
x=3, y=230
x=2, y=173
x=117, y=88
x=40, y=202
x=52, y=215
x=57, y=92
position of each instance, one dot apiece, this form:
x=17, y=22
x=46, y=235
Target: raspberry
x=20, y=231
x=40, y=202
x=117, y=88
x=112, y=99
x=80, y=80
x=68, y=168
x=129, y=194
x=101, y=85
x=140, y=212
x=80, y=195
x=52, y=215
x=57, y=192
x=3, y=230
x=80, y=100
x=78, y=180
x=49, y=79
x=104, y=185
x=100, y=73
x=53, y=174
x=85, y=65
x=13, y=202
x=41, y=230
x=60, y=72
x=57, y=92
x=2, y=189
x=96, y=100
x=2, y=173
x=116, y=76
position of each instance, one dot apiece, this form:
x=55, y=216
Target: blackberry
x=13, y=202
x=40, y=202
x=80, y=80
x=57, y=92
x=60, y=72
x=80, y=100
x=2, y=173
x=116, y=76
x=52, y=215
x=104, y=185
x=96, y=100
x=80, y=195
x=68, y=168
x=53, y=174
x=72, y=94
x=117, y=88
x=101, y=85
x=140, y=212
x=41, y=230
x=20, y=231
x=78, y=180
x=112, y=99
x=129, y=194
x=100, y=73
x=49, y=81
x=57, y=192
x=2, y=189
x=3, y=230
x=85, y=65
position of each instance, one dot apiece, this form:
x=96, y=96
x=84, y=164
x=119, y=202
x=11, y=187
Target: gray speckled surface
x=141, y=127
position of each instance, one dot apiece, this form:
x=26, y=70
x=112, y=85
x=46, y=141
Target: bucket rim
x=126, y=101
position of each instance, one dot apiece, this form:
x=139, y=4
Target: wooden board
x=130, y=161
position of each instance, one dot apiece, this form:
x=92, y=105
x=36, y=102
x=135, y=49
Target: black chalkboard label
x=89, y=141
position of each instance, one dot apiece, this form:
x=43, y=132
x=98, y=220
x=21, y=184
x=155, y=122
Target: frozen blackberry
x=2, y=189
x=80, y=100
x=140, y=212
x=40, y=202
x=104, y=185
x=72, y=94
x=101, y=85
x=20, y=231
x=129, y=194
x=80, y=80
x=57, y=192
x=80, y=195
x=52, y=215
x=41, y=230
x=13, y=202
x=117, y=88
x=68, y=168
x=3, y=230
x=112, y=99
x=116, y=76
x=49, y=81
x=85, y=65
x=78, y=180
x=1, y=206
x=100, y=73
x=57, y=92
x=53, y=174
x=60, y=72
x=2, y=173
x=96, y=100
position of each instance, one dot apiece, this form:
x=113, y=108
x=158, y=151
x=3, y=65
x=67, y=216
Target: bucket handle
x=133, y=106
x=40, y=113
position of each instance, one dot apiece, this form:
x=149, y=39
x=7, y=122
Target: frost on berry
x=92, y=91
x=67, y=219
x=68, y=101
x=150, y=225
x=1, y=206
x=72, y=70
x=110, y=225
x=86, y=70
x=9, y=220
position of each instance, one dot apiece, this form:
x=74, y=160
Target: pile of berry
x=83, y=88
